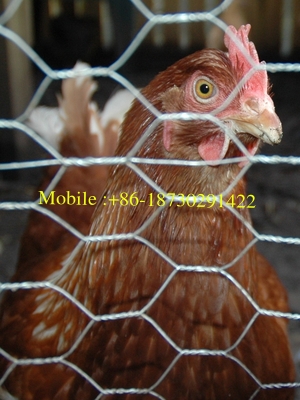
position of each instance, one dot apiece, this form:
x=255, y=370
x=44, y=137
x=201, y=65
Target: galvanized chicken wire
x=133, y=162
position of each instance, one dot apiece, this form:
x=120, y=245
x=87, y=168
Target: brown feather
x=202, y=315
x=43, y=235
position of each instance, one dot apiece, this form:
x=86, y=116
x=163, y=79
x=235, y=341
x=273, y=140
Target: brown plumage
x=188, y=332
x=76, y=129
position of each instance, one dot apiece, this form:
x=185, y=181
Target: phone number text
x=179, y=200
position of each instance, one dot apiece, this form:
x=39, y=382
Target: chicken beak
x=258, y=118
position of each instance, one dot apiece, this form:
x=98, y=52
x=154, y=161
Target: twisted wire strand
x=133, y=162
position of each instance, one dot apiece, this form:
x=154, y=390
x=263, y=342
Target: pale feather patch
x=95, y=124
x=71, y=256
x=57, y=275
x=42, y=307
x=116, y=107
x=42, y=301
x=69, y=327
x=86, y=86
x=52, y=123
x=119, y=285
x=41, y=297
x=81, y=66
x=48, y=123
x=76, y=288
x=58, y=305
x=112, y=340
x=62, y=344
x=41, y=332
x=234, y=310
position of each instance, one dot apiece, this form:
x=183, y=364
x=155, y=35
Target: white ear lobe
x=167, y=133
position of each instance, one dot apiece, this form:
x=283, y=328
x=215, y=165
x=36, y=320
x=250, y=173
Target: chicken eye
x=204, y=89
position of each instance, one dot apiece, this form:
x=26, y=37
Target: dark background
x=64, y=39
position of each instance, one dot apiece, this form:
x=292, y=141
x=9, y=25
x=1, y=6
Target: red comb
x=244, y=57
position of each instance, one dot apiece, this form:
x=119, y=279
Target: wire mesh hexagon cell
x=59, y=290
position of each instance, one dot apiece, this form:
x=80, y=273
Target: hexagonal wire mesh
x=131, y=161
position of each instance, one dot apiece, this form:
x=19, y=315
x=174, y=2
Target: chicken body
x=76, y=129
x=188, y=277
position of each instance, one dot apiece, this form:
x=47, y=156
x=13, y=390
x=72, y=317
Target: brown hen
x=174, y=303
x=75, y=129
